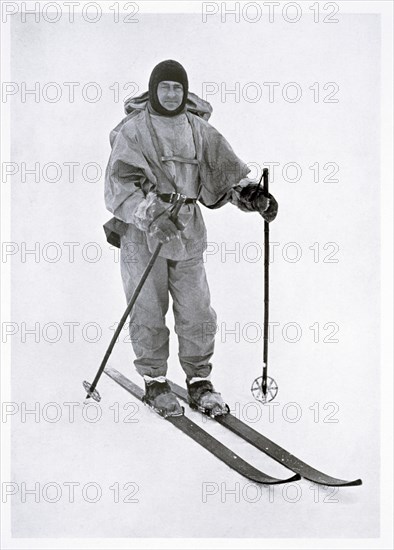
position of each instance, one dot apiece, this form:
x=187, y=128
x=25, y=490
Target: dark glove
x=270, y=213
x=251, y=198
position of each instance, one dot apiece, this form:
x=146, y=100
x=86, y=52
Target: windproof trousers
x=195, y=319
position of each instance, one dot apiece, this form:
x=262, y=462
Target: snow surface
x=167, y=472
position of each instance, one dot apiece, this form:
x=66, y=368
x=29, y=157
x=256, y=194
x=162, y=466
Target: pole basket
x=93, y=394
x=257, y=389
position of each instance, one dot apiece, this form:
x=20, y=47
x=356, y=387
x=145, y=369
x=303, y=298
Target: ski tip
x=337, y=482
x=278, y=481
x=351, y=483
x=295, y=477
x=333, y=483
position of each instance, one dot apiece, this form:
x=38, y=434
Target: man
x=163, y=148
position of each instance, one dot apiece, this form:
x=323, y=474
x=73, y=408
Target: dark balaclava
x=167, y=70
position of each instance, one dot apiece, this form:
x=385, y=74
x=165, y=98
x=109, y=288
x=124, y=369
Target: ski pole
x=91, y=388
x=266, y=289
x=264, y=388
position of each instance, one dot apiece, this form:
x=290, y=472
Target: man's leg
x=195, y=320
x=148, y=332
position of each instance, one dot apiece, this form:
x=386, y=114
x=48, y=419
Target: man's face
x=170, y=94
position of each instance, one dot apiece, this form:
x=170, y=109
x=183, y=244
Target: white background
x=169, y=469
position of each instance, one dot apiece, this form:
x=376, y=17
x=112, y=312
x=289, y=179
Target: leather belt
x=172, y=197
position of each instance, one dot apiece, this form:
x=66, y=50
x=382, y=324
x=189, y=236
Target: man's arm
x=124, y=189
x=249, y=196
x=126, y=199
x=128, y=178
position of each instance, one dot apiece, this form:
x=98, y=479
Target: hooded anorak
x=183, y=154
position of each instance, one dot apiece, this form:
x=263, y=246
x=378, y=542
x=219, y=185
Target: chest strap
x=180, y=159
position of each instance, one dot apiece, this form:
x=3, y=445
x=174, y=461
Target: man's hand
x=249, y=197
x=270, y=214
x=163, y=228
x=269, y=208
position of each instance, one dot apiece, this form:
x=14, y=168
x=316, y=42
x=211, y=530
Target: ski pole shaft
x=124, y=317
x=266, y=289
x=179, y=202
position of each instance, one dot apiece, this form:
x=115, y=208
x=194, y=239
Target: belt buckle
x=177, y=197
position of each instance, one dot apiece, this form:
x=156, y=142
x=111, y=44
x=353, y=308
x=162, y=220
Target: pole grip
x=265, y=181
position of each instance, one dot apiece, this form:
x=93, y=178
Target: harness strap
x=180, y=159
